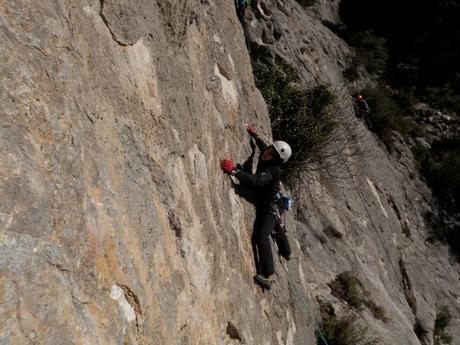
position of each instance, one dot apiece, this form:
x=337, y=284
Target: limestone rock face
x=116, y=223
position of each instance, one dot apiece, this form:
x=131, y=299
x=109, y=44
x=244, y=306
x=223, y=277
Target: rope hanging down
x=301, y=295
x=345, y=163
x=356, y=187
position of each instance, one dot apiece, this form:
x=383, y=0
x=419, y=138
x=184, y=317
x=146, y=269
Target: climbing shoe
x=263, y=282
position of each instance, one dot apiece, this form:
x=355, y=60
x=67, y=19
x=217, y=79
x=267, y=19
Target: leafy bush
x=421, y=41
x=386, y=115
x=304, y=118
x=442, y=170
x=440, y=335
x=441, y=167
x=349, y=288
x=444, y=97
x=376, y=310
x=352, y=292
x=351, y=73
x=371, y=51
x=344, y=330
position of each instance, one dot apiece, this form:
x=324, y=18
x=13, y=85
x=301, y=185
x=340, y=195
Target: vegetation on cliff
x=414, y=57
x=305, y=116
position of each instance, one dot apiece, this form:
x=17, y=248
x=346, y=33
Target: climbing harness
x=284, y=201
x=280, y=204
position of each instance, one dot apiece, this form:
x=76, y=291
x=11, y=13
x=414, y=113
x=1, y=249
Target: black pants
x=263, y=226
x=282, y=242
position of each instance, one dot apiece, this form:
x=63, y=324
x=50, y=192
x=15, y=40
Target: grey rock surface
x=116, y=223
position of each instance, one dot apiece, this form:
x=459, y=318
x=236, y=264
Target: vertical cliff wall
x=116, y=223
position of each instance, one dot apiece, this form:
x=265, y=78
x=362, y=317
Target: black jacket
x=266, y=180
x=362, y=106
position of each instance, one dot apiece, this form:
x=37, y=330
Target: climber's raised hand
x=227, y=166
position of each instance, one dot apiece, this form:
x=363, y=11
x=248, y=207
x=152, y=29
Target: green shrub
x=371, y=51
x=351, y=73
x=443, y=174
x=387, y=115
x=304, y=118
x=443, y=97
x=348, y=287
x=440, y=335
x=344, y=330
x=441, y=167
x=376, y=310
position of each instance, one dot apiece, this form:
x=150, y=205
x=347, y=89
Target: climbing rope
x=374, y=226
x=294, y=58
x=355, y=185
x=301, y=295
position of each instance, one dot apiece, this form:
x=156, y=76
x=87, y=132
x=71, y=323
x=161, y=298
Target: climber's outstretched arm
x=262, y=145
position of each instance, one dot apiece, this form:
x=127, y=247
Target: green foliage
x=443, y=174
x=306, y=3
x=444, y=97
x=344, y=330
x=422, y=41
x=352, y=289
x=371, y=51
x=443, y=318
x=386, y=115
x=441, y=168
x=303, y=118
x=351, y=73
x=376, y=310
x=349, y=288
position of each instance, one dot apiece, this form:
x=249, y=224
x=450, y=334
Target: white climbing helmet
x=283, y=149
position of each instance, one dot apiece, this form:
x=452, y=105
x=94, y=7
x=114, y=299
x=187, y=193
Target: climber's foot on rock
x=263, y=281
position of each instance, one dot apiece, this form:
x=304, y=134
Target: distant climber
x=362, y=109
x=266, y=184
x=241, y=8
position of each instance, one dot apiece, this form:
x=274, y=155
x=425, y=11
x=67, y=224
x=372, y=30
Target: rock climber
x=266, y=184
x=362, y=109
x=241, y=8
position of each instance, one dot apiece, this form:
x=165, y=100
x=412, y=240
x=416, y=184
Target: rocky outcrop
x=116, y=223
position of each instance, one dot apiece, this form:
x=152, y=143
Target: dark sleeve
x=262, y=145
x=259, y=179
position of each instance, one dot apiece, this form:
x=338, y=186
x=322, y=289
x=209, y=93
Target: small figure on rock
x=241, y=8
x=266, y=184
x=362, y=109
